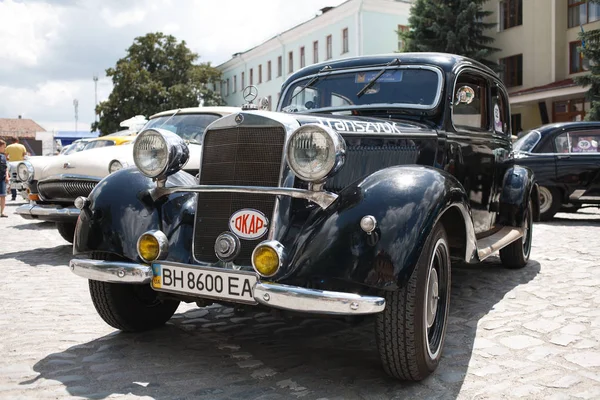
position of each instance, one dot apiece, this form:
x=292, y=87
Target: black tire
x=409, y=349
x=66, y=230
x=550, y=202
x=516, y=254
x=130, y=308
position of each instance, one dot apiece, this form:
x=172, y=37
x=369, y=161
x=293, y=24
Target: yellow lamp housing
x=268, y=257
x=153, y=245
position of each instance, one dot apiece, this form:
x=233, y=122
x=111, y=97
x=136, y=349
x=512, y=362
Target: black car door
x=578, y=163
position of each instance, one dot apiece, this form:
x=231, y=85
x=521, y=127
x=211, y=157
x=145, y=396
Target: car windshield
x=527, y=142
x=402, y=87
x=75, y=147
x=188, y=126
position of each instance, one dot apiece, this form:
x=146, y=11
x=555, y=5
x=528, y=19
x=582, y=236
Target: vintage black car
x=565, y=158
x=352, y=199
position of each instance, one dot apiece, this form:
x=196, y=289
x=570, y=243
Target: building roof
x=19, y=127
x=550, y=86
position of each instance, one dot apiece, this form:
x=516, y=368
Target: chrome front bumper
x=269, y=294
x=47, y=212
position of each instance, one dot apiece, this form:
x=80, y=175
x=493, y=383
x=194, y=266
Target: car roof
x=567, y=125
x=199, y=110
x=445, y=61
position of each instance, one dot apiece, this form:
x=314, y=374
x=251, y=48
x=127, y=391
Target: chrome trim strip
x=316, y=301
x=285, y=297
x=111, y=271
x=491, y=244
x=62, y=177
x=29, y=211
x=323, y=199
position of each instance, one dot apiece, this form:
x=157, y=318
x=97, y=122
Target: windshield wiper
x=171, y=117
x=368, y=86
x=312, y=81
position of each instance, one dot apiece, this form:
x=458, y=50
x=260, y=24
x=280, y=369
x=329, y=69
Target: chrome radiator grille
x=67, y=190
x=238, y=156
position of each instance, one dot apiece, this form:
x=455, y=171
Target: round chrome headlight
x=315, y=152
x=159, y=153
x=25, y=171
x=114, y=166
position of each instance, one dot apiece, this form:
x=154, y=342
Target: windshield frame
x=371, y=68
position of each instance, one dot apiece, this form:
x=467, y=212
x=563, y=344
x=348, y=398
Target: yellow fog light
x=267, y=258
x=152, y=245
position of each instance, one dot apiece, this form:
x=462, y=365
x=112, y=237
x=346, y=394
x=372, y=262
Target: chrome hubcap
x=432, y=297
x=545, y=199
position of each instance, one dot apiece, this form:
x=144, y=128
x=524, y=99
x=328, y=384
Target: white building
x=354, y=28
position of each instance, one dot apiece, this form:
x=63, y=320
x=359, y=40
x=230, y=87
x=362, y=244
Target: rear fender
x=407, y=202
x=518, y=186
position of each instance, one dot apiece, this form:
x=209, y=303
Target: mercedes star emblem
x=239, y=119
x=250, y=93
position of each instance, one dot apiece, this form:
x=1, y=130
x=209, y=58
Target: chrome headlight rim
x=29, y=169
x=335, y=141
x=177, y=153
x=114, y=163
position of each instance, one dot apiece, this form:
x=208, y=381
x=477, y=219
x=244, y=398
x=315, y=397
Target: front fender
x=518, y=186
x=121, y=209
x=407, y=202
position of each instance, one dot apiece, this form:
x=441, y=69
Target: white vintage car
x=55, y=186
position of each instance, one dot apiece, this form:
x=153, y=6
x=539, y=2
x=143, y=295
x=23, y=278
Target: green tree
x=590, y=48
x=157, y=74
x=450, y=26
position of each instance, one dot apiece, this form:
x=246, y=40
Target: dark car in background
x=353, y=199
x=565, y=158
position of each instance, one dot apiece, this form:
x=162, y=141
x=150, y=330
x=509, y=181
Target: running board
x=491, y=244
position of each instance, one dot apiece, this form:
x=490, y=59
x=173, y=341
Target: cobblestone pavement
x=532, y=333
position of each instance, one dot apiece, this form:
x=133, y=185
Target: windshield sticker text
x=343, y=126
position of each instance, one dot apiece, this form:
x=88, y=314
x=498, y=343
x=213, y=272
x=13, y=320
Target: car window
x=99, y=143
x=578, y=142
x=188, y=126
x=500, y=111
x=470, y=109
x=527, y=142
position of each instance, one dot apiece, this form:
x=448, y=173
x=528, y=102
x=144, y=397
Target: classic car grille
x=235, y=156
x=65, y=190
x=362, y=161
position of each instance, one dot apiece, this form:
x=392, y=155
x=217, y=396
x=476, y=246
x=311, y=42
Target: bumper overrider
x=269, y=294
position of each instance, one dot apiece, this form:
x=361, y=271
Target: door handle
x=563, y=156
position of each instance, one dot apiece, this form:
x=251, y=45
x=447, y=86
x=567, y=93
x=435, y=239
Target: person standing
x=15, y=152
x=4, y=177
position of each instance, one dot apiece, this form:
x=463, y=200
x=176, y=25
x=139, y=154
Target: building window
x=511, y=13
x=513, y=70
x=575, y=58
x=251, y=77
x=569, y=110
x=515, y=123
x=269, y=98
x=315, y=51
x=329, y=48
x=227, y=88
x=582, y=12
x=234, y=83
x=291, y=62
x=260, y=73
x=243, y=81
x=302, y=57
x=279, y=66
x=345, y=47
x=401, y=30
x=268, y=70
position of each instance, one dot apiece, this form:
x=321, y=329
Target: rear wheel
x=130, y=308
x=549, y=202
x=516, y=254
x=66, y=230
x=411, y=330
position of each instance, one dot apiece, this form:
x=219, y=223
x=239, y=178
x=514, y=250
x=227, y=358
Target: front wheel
x=66, y=230
x=549, y=202
x=130, y=308
x=411, y=330
x=516, y=254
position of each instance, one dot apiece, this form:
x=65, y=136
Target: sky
x=50, y=50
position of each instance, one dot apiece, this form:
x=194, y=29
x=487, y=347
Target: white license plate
x=214, y=283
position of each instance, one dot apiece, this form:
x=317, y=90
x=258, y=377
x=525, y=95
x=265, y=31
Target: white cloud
x=119, y=19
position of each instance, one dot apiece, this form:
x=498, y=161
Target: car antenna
x=171, y=117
